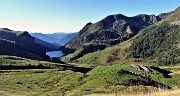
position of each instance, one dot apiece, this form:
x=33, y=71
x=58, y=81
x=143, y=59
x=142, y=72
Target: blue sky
x=48, y=16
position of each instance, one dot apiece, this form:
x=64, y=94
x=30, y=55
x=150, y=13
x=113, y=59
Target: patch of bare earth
x=176, y=22
x=178, y=45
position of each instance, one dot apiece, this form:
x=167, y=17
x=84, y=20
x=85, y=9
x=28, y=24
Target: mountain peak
x=148, y=18
x=144, y=15
x=119, y=16
x=89, y=23
x=24, y=34
x=114, y=17
x=7, y=29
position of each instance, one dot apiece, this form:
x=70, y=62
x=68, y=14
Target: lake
x=52, y=54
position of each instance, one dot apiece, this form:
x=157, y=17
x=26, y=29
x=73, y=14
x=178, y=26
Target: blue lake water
x=52, y=54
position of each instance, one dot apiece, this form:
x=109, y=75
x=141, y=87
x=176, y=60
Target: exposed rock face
x=21, y=44
x=111, y=30
x=176, y=22
x=128, y=30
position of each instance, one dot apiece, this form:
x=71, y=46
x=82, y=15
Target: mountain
x=65, y=39
x=58, y=39
x=107, y=32
x=159, y=42
x=46, y=44
x=43, y=37
x=111, y=30
x=22, y=44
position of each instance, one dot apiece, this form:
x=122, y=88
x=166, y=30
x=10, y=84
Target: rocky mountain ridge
x=111, y=30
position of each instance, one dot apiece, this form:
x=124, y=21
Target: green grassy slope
x=158, y=42
x=110, y=55
x=101, y=79
x=118, y=54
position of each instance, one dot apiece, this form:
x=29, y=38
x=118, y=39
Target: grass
x=173, y=17
x=53, y=82
x=110, y=55
x=18, y=61
x=67, y=58
x=155, y=92
x=37, y=82
x=107, y=56
x=175, y=83
x=118, y=54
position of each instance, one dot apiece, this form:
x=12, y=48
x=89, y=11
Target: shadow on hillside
x=153, y=83
x=11, y=67
x=145, y=81
x=164, y=72
x=61, y=67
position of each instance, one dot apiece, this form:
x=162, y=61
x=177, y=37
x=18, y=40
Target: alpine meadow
x=43, y=53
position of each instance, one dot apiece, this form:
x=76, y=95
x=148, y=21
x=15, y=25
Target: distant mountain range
x=57, y=39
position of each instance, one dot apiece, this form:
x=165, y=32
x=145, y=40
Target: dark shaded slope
x=21, y=44
x=46, y=44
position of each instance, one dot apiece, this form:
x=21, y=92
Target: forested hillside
x=158, y=42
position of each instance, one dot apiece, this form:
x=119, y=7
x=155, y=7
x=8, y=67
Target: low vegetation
x=110, y=55
x=158, y=42
x=99, y=80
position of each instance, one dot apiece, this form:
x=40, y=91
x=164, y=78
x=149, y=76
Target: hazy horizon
x=50, y=32
x=50, y=16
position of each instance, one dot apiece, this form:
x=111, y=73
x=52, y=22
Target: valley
x=115, y=56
